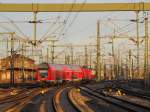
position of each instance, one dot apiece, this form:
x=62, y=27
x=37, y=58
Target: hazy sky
x=82, y=28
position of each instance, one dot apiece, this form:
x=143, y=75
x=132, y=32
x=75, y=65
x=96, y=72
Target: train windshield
x=43, y=73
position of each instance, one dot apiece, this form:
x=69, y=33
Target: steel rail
x=130, y=106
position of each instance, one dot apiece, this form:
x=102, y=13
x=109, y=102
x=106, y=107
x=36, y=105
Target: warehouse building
x=24, y=69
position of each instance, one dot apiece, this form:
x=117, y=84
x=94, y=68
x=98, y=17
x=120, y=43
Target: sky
x=83, y=29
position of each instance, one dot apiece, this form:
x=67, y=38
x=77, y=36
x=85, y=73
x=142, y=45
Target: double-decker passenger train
x=58, y=73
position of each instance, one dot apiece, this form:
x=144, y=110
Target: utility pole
x=19, y=44
x=113, y=55
x=12, y=81
x=111, y=69
x=138, y=44
x=53, y=50
x=146, y=71
x=98, y=66
x=7, y=47
x=35, y=27
x=79, y=59
x=132, y=69
x=130, y=61
x=126, y=74
x=41, y=57
x=118, y=65
x=32, y=52
x=72, y=54
x=90, y=57
x=105, y=73
x=66, y=61
x=67, y=58
x=86, y=56
x=47, y=55
x=22, y=64
x=121, y=69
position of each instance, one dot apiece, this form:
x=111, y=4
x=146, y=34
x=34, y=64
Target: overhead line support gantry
x=88, y=7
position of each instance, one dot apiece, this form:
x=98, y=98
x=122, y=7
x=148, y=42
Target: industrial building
x=24, y=69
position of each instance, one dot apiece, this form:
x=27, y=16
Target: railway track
x=68, y=99
x=78, y=100
x=62, y=102
x=138, y=94
x=41, y=102
x=127, y=105
x=17, y=102
x=12, y=95
x=131, y=90
x=56, y=103
x=128, y=90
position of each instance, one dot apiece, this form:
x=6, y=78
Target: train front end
x=42, y=74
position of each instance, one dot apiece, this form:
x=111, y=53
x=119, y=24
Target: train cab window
x=43, y=74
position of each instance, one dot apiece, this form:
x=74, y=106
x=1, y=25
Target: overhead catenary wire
x=64, y=29
x=50, y=35
x=73, y=20
x=107, y=16
x=76, y=15
x=49, y=29
x=15, y=26
x=64, y=25
x=66, y=20
x=9, y=30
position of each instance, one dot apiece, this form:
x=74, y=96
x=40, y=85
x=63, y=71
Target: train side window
x=43, y=75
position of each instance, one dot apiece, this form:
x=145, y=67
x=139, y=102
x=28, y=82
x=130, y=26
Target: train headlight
x=42, y=92
x=13, y=92
x=78, y=90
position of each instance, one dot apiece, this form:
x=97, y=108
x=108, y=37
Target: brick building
x=23, y=69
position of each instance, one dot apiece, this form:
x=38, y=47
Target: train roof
x=56, y=66
x=59, y=66
x=43, y=66
x=74, y=67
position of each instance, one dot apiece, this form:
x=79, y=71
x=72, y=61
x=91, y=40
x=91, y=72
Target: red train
x=58, y=73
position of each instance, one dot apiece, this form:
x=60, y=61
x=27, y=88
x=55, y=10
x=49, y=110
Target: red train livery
x=58, y=73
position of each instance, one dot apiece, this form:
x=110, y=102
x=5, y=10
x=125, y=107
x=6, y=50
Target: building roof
x=18, y=56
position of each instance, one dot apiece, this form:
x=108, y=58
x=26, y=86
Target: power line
x=84, y=2
x=58, y=17
x=16, y=26
x=67, y=18
x=9, y=30
x=50, y=28
x=73, y=20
